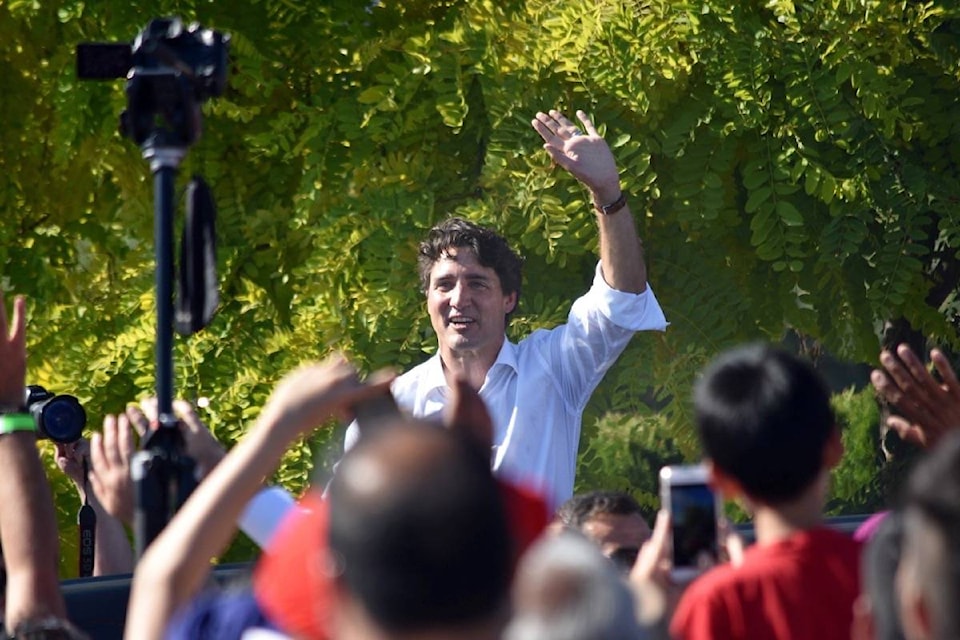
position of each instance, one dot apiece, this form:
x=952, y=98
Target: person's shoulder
x=704, y=607
x=710, y=593
x=229, y=612
x=759, y=563
x=839, y=547
x=726, y=585
x=803, y=557
x=819, y=542
x=830, y=540
x=716, y=580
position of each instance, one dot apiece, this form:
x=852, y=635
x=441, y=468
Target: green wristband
x=10, y=422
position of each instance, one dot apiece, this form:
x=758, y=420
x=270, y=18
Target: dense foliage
x=792, y=166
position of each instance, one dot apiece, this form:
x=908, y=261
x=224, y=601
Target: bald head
x=566, y=590
x=417, y=520
x=382, y=465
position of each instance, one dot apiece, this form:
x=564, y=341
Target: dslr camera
x=170, y=69
x=60, y=418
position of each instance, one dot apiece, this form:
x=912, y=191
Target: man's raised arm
x=588, y=158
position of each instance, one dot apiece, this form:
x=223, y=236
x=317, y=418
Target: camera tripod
x=170, y=71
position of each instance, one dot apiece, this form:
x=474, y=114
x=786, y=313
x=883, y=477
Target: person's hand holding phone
x=674, y=555
x=656, y=592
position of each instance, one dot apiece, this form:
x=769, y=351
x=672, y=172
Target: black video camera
x=60, y=418
x=170, y=69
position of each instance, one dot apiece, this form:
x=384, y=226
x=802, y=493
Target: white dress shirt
x=537, y=389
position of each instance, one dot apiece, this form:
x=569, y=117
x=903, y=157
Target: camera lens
x=59, y=417
x=62, y=419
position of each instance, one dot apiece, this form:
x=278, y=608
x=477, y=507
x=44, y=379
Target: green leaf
x=757, y=198
x=789, y=214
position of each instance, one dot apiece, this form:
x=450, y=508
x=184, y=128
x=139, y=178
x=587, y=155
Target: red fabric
x=527, y=515
x=294, y=590
x=289, y=582
x=801, y=587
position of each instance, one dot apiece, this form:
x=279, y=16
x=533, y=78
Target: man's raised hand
x=585, y=154
x=929, y=408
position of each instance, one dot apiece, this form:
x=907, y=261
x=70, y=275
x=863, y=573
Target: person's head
x=418, y=529
x=489, y=247
x=47, y=628
x=765, y=423
x=566, y=590
x=471, y=279
x=610, y=519
x=928, y=578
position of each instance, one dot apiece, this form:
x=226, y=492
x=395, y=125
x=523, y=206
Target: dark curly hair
x=582, y=507
x=490, y=247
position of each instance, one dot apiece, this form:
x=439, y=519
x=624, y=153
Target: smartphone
x=694, y=508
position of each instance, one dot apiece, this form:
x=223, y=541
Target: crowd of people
x=454, y=515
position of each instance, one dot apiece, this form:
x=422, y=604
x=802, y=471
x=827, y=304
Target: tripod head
x=170, y=70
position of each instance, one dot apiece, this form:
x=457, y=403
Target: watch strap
x=10, y=422
x=613, y=207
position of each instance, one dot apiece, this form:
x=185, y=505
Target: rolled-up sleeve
x=633, y=311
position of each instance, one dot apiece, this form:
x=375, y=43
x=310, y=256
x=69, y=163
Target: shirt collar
x=436, y=380
x=507, y=355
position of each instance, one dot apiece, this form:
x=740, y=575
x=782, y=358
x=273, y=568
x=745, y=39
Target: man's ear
x=833, y=449
x=728, y=486
x=511, y=302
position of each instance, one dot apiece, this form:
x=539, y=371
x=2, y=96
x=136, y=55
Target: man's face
x=466, y=304
x=618, y=536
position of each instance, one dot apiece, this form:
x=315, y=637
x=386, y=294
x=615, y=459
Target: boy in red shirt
x=770, y=440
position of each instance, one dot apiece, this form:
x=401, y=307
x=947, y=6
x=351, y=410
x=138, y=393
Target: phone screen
x=693, y=510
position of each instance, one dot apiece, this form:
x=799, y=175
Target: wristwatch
x=613, y=207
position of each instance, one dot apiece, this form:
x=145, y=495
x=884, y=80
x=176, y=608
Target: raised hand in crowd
x=175, y=565
x=467, y=414
x=199, y=442
x=113, y=448
x=929, y=408
x=112, y=553
x=110, y=453
x=657, y=593
x=13, y=354
x=28, y=523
